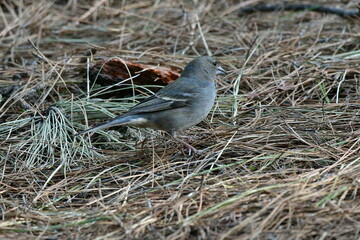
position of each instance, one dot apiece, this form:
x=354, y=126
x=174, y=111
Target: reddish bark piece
x=114, y=70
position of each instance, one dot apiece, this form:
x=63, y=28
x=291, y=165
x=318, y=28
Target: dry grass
x=282, y=139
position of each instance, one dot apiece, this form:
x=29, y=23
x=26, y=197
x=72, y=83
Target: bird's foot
x=191, y=148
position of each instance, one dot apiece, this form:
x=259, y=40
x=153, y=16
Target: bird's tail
x=119, y=121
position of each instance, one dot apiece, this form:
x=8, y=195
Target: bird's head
x=204, y=67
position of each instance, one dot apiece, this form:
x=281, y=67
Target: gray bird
x=179, y=105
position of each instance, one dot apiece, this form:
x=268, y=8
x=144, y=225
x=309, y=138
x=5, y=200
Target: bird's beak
x=220, y=70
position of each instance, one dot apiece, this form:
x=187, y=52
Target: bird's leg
x=188, y=137
x=194, y=150
x=187, y=145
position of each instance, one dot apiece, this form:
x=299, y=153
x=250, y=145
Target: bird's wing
x=175, y=95
x=158, y=103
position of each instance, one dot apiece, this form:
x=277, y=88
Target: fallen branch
x=299, y=7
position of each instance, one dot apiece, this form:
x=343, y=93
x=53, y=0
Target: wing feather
x=175, y=95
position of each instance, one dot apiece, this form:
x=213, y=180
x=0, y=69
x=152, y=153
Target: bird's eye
x=215, y=63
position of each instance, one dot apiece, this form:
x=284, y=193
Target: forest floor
x=282, y=140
